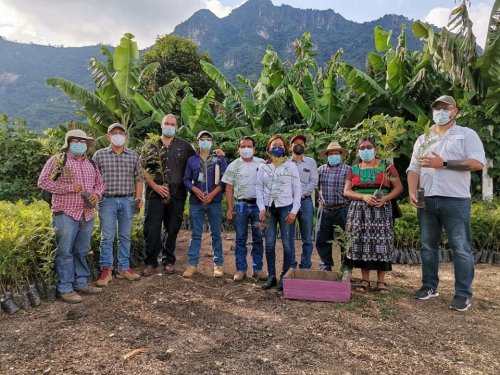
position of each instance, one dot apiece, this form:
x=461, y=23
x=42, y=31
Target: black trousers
x=171, y=216
x=325, y=232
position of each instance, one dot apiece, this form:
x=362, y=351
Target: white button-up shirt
x=458, y=143
x=279, y=185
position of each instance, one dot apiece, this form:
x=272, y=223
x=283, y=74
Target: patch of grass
x=385, y=304
x=355, y=303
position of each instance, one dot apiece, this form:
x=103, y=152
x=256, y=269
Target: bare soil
x=214, y=326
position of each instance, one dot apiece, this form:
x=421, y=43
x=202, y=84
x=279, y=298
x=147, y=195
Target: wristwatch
x=445, y=164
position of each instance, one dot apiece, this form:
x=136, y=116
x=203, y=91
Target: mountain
x=236, y=44
x=23, y=71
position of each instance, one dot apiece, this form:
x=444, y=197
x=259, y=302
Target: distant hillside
x=236, y=44
x=23, y=71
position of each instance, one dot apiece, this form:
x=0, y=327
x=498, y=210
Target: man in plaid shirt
x=122, y=173
x=333, y=206
x=76, y=187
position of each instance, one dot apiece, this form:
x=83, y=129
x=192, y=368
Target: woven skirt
x=370, y=232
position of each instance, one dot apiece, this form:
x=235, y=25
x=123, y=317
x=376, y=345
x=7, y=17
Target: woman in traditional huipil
x=370, y=224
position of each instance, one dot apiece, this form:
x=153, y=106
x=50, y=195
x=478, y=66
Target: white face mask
x=441, y=116
x=118, y=140
x=246, y=152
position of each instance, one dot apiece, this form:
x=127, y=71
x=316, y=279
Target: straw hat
x=334, y=146
x=77, y=133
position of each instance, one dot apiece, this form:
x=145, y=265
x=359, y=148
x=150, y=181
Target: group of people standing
x=263, y=194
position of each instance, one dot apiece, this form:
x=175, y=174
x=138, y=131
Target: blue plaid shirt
x=331, y=184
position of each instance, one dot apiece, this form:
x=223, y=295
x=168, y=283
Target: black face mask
x=298, y=149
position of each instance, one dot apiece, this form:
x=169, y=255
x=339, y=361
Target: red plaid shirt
x=64, y=199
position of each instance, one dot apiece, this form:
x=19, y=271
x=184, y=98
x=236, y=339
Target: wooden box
x=316, y=286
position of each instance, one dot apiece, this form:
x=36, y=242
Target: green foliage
x=177, y=58
x=485, y=225
x=117, y=97
x=26, y=243
x=21, y=160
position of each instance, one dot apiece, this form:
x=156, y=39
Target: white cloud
x=217, y=8
x=478, y=12
x=85, y=22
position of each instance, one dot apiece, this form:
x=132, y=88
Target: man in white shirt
x=308, y=172
x=440, y=165
x=240, y=178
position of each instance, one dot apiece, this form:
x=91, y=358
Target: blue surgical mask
x=168, y=131
x=205, y=145
x=277, y=151
x=78, y=148
x=441, y=116
x=334, y=159
x=367, y=155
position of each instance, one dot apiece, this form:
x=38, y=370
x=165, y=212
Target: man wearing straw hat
x=333, y=206
x=76, y=186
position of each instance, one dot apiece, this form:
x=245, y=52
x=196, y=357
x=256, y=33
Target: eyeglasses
x=78, y=141
x=365, y=148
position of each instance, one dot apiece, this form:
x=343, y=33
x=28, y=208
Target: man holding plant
x=444, y=173
x=164, y=161
x=76, y=187
x=123, y=179
x=333, y=206
x=203, y=178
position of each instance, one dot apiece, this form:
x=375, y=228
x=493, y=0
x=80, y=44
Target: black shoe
x=270, y=282
x=460, y=304
x=280, y=285
x=426, y=292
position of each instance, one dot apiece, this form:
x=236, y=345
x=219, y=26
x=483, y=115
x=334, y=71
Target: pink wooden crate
x=316, y=286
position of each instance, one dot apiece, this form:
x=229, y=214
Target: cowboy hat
x=334, y=146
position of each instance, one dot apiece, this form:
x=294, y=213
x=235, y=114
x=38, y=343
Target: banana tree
x=116, y=97
x=454, y=54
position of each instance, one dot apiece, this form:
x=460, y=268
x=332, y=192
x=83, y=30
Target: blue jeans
x=305, y=220
x=278, y=215
x=454, y=215
x=113, y=210
x=197, y=218
x=248, y=213
x=73, y=244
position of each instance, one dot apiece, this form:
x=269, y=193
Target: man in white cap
x=442, y=169
x=122, y=173
x=76, y=186
x=203, y=178
x=333, y=206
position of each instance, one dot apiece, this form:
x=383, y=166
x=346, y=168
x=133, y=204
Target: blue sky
x=105, y=21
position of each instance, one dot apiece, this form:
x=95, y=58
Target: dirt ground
x=214, y=326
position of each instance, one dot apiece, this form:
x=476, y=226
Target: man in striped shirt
x=333, y=206
x=76, y=186
x=122, y=173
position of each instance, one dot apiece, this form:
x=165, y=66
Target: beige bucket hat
x=77, y=133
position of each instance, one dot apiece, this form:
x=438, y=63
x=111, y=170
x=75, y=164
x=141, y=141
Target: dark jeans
x=454, y=215
x=171, y=216
x=278, y=215
x=325, y=227
x=305, y=218
x=248, y=213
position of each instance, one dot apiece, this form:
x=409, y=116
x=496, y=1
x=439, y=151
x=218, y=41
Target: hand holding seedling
x=77, y=187
x=161, y=190
x=434, y=161
x=199, y=194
